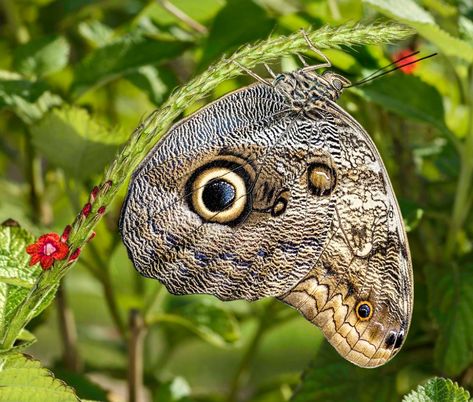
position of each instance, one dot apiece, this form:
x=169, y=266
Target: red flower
x=46, y=250
x=401, y=58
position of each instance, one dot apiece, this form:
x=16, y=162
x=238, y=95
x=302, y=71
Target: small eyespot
x=280, y=205
x=218, y=193
x=391, y=339
x=322, y=179
x=395, y=339
x=364, y=310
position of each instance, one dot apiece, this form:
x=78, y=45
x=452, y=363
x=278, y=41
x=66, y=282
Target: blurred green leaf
x=177, y=390
x=438, y=390
x=411, y=212
x=209, y=320
x=24, y=340
x=95, y=33
x=29, y=100
x=410, y=13
x=201, y=11
x=407, y=96
x=83, y=386
x=330, y=378
x=23, y=379
x=16, y=277
x=155, y=82
x=450, y=300
x=239, y=22
x=73, y=140
x=120, y=58
x=41, y=56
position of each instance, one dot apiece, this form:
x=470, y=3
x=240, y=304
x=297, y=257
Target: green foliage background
x=76, y=78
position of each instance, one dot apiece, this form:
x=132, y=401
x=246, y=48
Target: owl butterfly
x=275, y=190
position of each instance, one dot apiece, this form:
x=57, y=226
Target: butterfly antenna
x=383, y=70
x=391, y=64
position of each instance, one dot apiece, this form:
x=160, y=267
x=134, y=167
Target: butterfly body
x=275, y=190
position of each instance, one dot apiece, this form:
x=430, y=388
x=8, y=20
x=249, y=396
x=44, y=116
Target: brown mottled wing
x=365, y=260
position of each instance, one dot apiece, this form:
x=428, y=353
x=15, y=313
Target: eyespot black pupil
x=218, y=195
x=364, y=311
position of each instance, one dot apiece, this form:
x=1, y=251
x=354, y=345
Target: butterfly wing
x=360, y=289
x=249, y=143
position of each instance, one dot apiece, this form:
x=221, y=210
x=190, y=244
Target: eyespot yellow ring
x=207, y=182
x=321, y=179
x=364, y=310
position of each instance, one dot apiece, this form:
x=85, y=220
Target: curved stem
x=242, y=372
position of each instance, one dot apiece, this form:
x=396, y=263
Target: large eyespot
x=322, y=178
x=217, y=192
x=364, y=310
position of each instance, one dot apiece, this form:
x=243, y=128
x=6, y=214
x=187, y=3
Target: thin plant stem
x=135, y=357
x=68, y=330
x=18, y=31
x=181, y=15
x=463, y=195
x=242, y=372
x=109, y=293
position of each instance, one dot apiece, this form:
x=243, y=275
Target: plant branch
x=242, y=372
x=464, y=192
x=135, y=357
x=181, y=15
x=68, y=332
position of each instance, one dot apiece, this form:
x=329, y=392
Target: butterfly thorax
x=307, y=89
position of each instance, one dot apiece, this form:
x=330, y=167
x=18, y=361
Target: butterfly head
x=334, y=83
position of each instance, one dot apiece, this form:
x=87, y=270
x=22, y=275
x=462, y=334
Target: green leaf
x=438, y=390
x=42, y=56
x=156, y=83
x=239, y=22
x=72, y=140
x=412, y=213
x=96, y=33
x=410, y=13
x=84, y=387
x=330, y=378
x=23, y=379
x=407, y=96
x=201, y=11
x=120, y=58
x=177, y=390
x=24, y=340
x=29, y=100
x=450, y=299
x=16, y=276
x=208, y=320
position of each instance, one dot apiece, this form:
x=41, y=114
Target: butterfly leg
x=253, y=74
x=268, y=69
x=326, y=63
